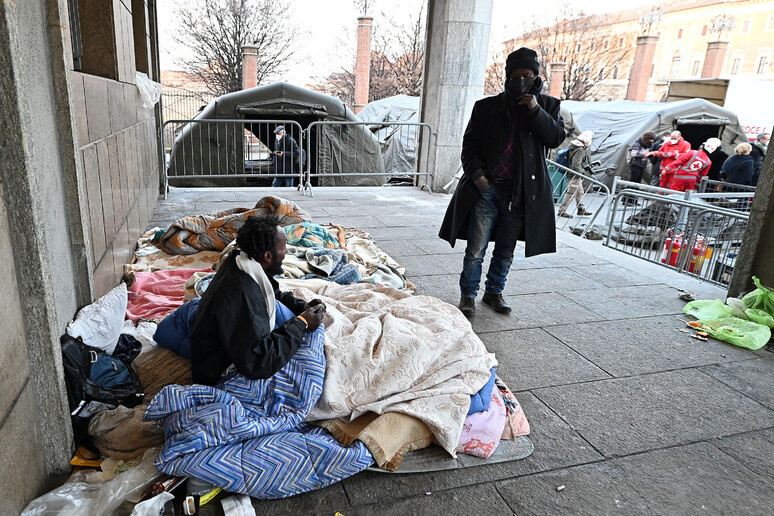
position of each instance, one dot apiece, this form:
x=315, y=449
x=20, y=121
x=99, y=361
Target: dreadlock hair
x=257, y=235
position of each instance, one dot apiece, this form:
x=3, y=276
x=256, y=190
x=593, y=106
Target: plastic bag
x=762, y=298
x=150, y=91
x=154, y=506
x=77, y=498
x=705, y=309
x=760, y=317
x=745, y=334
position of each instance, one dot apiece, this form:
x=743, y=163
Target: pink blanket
x=153, y=295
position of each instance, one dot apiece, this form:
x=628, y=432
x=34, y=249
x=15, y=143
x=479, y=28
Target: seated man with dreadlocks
x=244, y=322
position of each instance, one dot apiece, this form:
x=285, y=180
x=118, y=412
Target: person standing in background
x=672, y=149
x=758, y=153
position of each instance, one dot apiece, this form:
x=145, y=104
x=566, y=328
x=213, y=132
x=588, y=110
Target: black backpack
x=95, y=378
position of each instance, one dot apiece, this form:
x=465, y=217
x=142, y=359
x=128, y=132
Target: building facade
x=684, y=38
x=80, y=177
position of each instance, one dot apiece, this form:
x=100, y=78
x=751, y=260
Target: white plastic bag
x=99, y=324
x=79, y=498
x=154, y=506
x=150, y=91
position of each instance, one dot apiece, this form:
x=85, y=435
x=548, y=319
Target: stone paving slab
x=611, y=275
x=645, y=345
x=397, y=249
x=556, y=446
x=558, y=279
x=531, y=311
x=438, y=246
x=687, y=480
x=430, y=264
x=444, y=287
x=459, y=502
x=635, y=414
x=754, y=449
x=753, y=378
x=628, y=302
x=416, y=234
x=327, y=500
x=563, y=257
x=530, y=359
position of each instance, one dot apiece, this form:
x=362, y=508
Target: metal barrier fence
x=731, y=197
x=182, y=104
x=380, y=152
x=693, y=238
x=590, y=197
x=710, y=185
x=207, y=151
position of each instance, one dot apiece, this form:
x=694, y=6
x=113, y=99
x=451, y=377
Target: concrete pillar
x=363, y=62
x=556, y=79
x=714, y=59
x=641, y=67
x=456, y=41
x=757, y=251
x=249, y=66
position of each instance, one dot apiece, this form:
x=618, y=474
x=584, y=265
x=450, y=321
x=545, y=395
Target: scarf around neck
x=256, y=272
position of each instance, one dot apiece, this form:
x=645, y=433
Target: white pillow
x=99, y=324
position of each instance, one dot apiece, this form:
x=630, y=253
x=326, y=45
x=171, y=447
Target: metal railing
x=182, y=104
x=710, y=185
x=220, y=149
x=684, y=235
x=595, y=195
x=380, y=152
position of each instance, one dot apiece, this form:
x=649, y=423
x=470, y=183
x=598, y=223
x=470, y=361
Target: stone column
x=757, y=251
x=714, y=59
x=249, y=66
x=556, y=79
x=641, y=67
x=363, y=62
x=456, y=43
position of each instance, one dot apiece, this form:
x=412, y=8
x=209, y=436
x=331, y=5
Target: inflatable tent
x=218, y=149
x=617, y=125
x=399, y=143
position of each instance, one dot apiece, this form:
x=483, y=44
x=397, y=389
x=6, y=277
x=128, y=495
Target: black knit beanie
x=522, y=58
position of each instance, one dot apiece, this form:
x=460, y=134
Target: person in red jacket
x=687, y=170
x=671, y=150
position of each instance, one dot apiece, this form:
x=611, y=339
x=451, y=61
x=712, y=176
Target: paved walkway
x=627, y=413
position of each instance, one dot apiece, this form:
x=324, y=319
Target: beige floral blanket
x=388, y=351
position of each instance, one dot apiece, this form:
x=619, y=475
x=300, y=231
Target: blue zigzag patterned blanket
x=248, y=436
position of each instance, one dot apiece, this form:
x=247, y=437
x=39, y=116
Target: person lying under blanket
x=244, y=322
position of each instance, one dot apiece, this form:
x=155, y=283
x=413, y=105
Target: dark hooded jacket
x=483, y=144
x=738, y=169
x=288, y=162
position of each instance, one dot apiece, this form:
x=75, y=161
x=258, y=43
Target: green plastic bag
x=746, y=334
x=761, y=298
x=706, y=309
x=760, y=317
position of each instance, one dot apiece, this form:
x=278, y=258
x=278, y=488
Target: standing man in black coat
x=286, y=153
x=505, y=193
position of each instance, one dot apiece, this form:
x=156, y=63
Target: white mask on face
x=673, y=141
x=278, y=136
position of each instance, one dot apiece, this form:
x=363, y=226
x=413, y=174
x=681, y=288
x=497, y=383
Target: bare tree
x=216, y=30
x=397, y=57
x=583, y=43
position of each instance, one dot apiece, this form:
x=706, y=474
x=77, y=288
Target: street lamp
x=722, y=23
x=651, y=18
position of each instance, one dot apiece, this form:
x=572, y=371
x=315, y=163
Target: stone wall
x=118, y=147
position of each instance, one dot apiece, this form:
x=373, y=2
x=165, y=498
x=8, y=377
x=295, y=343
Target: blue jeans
x=490, y=216
x=283, y=181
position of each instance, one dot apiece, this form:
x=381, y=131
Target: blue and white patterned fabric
x=248, y=436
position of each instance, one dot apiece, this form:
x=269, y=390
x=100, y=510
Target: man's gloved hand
x=482, y=183
x=314, y=316
x=313, y=302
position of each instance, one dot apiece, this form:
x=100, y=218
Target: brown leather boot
x=468, y=306
x=497, y=303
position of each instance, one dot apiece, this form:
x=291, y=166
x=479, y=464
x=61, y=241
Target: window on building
x=620, y=42
x=675, y=69
x=652, y=69
x=606, y=44
x=704, y=29
x=695, y=68
x=770, y=23
x=763, y=65
x=680, y=33
x=601, y=74
x=736, y=65
x=746, y=26
x=615, y=72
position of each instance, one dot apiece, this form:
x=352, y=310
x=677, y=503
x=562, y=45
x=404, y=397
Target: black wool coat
x=484, y=141
x=288, y=162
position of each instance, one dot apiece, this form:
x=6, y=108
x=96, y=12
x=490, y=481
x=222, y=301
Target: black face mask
x=523, y=86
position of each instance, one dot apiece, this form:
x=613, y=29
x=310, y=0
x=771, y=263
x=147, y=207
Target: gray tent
x=616, y=125
x=399, y=143
x=219, y=149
